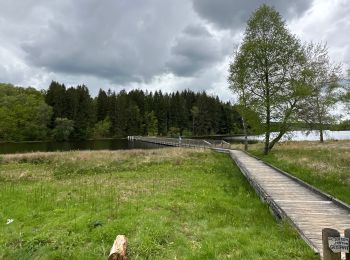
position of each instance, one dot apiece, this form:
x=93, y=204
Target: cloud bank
x=147, y=44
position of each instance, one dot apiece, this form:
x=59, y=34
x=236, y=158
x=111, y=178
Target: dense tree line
x=112, y=114
x=62, y=113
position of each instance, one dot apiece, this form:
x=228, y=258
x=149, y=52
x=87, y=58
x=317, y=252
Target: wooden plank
x=308, y=210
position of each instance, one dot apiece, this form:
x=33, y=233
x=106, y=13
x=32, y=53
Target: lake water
x=124, y=144
x=304, y=136
x=106, y=144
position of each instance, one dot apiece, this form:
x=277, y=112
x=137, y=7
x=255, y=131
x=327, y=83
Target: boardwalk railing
x=184, y=142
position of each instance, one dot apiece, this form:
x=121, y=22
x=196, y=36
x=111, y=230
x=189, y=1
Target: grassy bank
x=326, y=166
x=170, y=203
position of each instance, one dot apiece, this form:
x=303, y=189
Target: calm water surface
x=124, y=144
x=304, y=136
x=107, y=144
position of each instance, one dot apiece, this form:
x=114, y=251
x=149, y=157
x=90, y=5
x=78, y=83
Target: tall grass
x=170, y=203
x=324, y=165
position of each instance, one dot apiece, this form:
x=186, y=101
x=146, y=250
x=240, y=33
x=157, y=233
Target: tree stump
x=119, y=248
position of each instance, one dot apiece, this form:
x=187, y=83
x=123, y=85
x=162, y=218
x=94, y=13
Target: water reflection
x=106, y=144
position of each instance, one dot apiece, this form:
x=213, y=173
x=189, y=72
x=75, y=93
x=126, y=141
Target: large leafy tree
x=272, y=63
x=24, y=115
x=325, y=88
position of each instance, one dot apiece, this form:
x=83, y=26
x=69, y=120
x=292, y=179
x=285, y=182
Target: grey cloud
x=196, y=30
x=145, y=43
x=123, y=40
x=195, y=50
x=233, y=14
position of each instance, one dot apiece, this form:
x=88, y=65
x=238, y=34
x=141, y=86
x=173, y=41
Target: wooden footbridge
x=308, y=209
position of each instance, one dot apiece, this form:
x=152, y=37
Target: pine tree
x=101, y=105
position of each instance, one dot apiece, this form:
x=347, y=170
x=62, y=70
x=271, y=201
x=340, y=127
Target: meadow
x=323, y=165
x=170, y=203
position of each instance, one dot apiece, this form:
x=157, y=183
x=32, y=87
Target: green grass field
x=170, y=203
x=323, y=165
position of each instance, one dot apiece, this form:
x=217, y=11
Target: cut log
x=119, y=248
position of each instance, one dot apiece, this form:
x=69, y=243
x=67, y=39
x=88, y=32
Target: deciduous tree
x=324, y=80
x=273, y=62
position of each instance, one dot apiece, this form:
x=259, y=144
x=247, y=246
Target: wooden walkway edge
x=307, y=208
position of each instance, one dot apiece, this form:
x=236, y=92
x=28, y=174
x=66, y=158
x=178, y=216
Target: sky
x=148, y=44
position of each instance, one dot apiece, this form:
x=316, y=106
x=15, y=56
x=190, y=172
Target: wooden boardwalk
x=308, y=210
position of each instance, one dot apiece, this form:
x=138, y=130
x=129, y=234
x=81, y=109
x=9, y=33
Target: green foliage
x=152, y=124
x=323, y=77
x=166, y=203
x=74, y=104
x=342, y=126
x=101, y=128
x=174, y=132
x=102, y=105
x=56, y=98
x=84, y=116
x=194, y=114
x=24, y=115
x=63, y=128
x=113, y=114
x=345, y=97
x=268, y=72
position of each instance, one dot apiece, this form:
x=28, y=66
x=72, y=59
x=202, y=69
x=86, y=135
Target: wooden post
x=118, y=251
x=327, y=252
x=347, y=234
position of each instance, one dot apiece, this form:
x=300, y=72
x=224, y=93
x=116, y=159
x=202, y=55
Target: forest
x=60, y=113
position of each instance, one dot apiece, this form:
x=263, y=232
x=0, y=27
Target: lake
x=124, y=144
x=303, y=136
x=105, y=144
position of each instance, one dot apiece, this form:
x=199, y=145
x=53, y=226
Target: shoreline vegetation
x=30, y=115
x=63, y=113
x=73, y=204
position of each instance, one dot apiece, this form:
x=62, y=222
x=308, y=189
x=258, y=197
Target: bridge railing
x=220, y=144
x=185, y=142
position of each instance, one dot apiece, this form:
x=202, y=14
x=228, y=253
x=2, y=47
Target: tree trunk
x=283, y=128
x=319, y=119
x=245, y=134
x=321, y=135
x=274, y=141
x=267, y=133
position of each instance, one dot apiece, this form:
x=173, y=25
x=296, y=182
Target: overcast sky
x=148, y=44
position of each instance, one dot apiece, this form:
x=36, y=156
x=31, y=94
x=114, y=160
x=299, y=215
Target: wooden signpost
x=334, y=244
x=347, y=234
